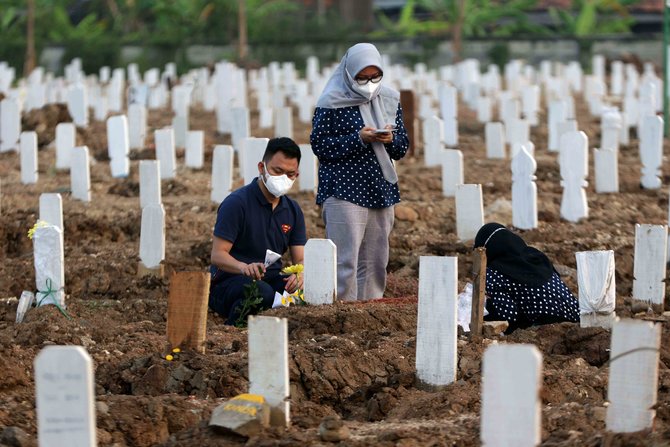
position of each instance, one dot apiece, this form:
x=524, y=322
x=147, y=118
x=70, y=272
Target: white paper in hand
x=271, y=257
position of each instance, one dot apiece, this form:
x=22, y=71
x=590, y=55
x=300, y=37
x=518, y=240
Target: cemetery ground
x=353, y=360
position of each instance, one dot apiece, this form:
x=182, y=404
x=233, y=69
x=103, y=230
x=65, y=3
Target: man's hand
x=255, y=270
x=293, y=283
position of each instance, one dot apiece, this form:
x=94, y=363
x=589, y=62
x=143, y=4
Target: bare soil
x=353, y=360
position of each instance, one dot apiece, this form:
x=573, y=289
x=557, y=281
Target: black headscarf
x=508, y=254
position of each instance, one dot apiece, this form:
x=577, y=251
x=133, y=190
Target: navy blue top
x=513, y=301
x=348, y=168
x=247, y=219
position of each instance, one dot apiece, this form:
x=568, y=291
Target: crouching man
x=251, y=220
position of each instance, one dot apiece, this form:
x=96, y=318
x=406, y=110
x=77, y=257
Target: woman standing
x=357, y=131
x=522, y=286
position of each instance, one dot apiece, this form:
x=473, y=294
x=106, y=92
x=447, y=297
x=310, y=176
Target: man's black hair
x=284, y=145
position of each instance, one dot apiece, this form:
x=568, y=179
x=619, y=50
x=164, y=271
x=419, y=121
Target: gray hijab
x=376, y=112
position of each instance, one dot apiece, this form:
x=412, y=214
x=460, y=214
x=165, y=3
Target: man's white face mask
x=277, y=185
x=367, y=91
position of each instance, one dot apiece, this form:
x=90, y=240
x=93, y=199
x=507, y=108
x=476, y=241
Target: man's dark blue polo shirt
x=247, y=219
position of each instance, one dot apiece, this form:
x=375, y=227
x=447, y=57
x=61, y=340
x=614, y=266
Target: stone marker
x=65, y=397
x=574, y=169
x=166, y=153
x=240, y=127
x=558, y=113
x=530, y=104
x=484, y=106
x=65, y=143
x=180, y=129
x=118, y=146
x=633, y=377
x=478, y=290
x=152, y=241
x=26, y=302
x=469, y=211
x=606, y=166
x=245, y=414
x=610, y=125
x=28, y=156
x=77, y=104
x=250, y=155
x=518, y=133
x=436, y=356
x=309, y=169
x=452, y=171
x=524, y=191
x=511, y=409
x=651, y=243
x=597, y=290
x=284, y=122
x=195, y=142
x=80, y=174
x=150, y=183
x=49, y=260
x=320, y=271
x=10, y=124
x=433, y=138
x=495, y=140
x=268, y=365
x=408, y=104
x=222, y=172
x=651, y=151
x=51, y=209
x=187, y=310
x=137, y=125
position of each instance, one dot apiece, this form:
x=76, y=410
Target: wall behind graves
x=409, y=51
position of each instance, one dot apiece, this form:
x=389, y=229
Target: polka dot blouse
x=348, y=168
x=512, y=301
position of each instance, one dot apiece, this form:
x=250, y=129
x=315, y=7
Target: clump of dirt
x=44, y=121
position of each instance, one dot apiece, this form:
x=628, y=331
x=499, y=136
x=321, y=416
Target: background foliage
x=97, y=29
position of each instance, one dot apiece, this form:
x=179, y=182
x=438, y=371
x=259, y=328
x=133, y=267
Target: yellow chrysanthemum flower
x=283, y=301
x=176, y=350
x=296, y=268
x=169, y=358
x=38, y=224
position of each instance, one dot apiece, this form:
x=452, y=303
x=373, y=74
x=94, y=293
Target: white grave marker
x=195, y=156
x=452, y=171
x=77, y=104
x=320, y=271
x=469, y=211
x=524, y=191
x=240, y=127
x=574, y=169
x=65, y=397
x=118, y=145
x=436, y=335
x=10, y=124
x=49, y=260
x=137, y=125
x=80, y=174
x=651, y=243
x=633, y=379
x=152, y=236
x=28, y=155
x=166, y=153
x=511, y=412
x=433, y=136
x=65, y=143
x=308, y=168
x=51, y=209
x=150, y=183
x=651, y=151
x=597, y=288
x=495, y=140
x=251, y=154
x=222, y=172
x=558, y=112
x=606, y=166
x=268, y=365
x=284, y=122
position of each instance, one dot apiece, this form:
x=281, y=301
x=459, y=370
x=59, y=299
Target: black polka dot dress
x=523, y=305
x=348, y=167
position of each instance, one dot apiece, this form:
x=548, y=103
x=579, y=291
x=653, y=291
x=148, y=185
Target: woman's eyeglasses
x=362, y=80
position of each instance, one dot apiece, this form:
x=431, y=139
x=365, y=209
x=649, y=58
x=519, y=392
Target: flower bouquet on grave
x=252, y=296
x=297, y=297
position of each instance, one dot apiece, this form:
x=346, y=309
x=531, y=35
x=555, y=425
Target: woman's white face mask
x=367, y=91
x=277, y=185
